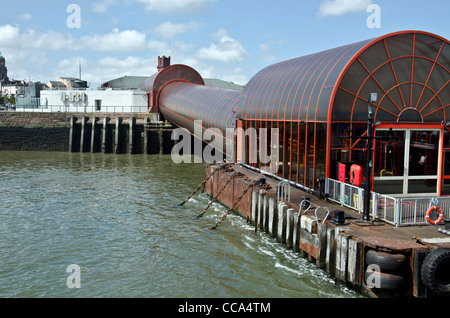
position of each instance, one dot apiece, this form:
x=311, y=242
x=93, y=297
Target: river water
x=114, y=217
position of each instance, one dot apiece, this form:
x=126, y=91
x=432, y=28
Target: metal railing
x=81, y=109
x=395, y=211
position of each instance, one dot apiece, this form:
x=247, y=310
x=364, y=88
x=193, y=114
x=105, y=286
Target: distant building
x=73, y=83
x=56, y=85
x=92, y=101
x=31, y=96
x=14, y=88
x=125, y=82
x=163, y=62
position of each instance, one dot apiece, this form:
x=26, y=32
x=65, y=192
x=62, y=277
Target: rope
x=234, y=205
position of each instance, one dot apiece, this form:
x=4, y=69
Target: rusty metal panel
x=309, y=243
x=244, y=207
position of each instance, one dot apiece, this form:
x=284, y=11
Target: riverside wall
x=80, y=132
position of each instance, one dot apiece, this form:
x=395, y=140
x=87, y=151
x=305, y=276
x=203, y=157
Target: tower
x=3, y=70
x=163, y=62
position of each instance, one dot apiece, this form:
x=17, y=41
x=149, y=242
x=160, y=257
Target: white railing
x=81, y=109
x=395, y=211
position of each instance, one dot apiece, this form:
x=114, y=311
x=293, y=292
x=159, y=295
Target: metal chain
x=234, y=205
x=200, y=186
x=217, y=195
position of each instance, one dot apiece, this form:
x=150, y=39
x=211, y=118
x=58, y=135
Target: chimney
x=163, y=62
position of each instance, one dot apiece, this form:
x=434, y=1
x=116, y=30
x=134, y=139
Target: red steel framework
x=318, y=99
x=328, y=91
x=154, y=83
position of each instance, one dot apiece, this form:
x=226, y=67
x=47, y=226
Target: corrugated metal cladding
x=177, y=72
x=183, y=103
x=408, y=70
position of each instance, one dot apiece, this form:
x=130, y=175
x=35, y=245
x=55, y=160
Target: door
x=406, y=162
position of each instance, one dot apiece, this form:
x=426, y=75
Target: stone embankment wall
x=28, y=132
x=62, y=132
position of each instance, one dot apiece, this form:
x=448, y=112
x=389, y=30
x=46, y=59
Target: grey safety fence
x=395, y=211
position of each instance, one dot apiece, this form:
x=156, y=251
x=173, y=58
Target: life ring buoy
x=440, y=213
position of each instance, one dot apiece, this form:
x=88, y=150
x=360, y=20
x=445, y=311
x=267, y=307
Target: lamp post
x=370, y=137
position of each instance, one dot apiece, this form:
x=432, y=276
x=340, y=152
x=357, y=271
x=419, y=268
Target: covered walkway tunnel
x=320, y=102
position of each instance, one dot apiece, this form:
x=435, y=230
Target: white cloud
x=25, y=16
x=227, y=50
x=12, y=38
x=102, y=6
x=177, y=6
x=124, y=41
x=340, y=7
x=168, y=30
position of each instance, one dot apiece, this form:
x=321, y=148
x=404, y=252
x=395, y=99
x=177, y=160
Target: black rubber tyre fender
x=435, y=271
x=386, y=281
x=389, y=263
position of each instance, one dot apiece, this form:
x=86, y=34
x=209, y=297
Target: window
x=98, y=105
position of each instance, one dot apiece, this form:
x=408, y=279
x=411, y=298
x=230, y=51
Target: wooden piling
x=354, y=272
x=146, y=137
x=296, y=233
x=272, y=217
x=322, y=248
x=282, y=219
x=72, y=134
x=342, y=240
x=255, y=205
x=131, y=137
x=289, y=228
x=330, y=256
x=94, y=135
x=105, y=134
x=83, y=127
x=117, y=136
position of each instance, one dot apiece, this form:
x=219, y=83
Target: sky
x=227, y=39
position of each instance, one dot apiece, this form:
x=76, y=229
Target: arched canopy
x=408, y=70
x=171, y=73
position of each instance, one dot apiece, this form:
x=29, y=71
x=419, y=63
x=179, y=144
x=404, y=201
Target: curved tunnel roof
x=408, y=70
x=177, y=72
x=183, y=103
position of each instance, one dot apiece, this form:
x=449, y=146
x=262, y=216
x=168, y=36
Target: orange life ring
x=439, y=211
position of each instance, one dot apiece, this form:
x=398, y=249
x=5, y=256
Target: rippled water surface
x=115, y=217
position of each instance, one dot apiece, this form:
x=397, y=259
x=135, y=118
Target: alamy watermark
x=373, y=279
x=74, y=19
x=255, y=146
x=374, y=20
x=74, y=279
